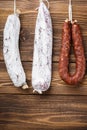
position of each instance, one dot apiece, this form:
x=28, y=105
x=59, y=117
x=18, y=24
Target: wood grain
x=43, y=112
x=57, y=85
x=62, y=107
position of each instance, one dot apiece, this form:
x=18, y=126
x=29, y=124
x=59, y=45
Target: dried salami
x=42, y=57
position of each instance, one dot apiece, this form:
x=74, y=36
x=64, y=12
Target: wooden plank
x=43, y=112
x=57, y=85
x=56, y=109
x=29, y=4
x=28, y=19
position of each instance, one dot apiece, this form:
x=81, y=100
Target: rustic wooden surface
x=62, y=107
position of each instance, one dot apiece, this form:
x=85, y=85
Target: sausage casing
x=71, y=32
x=42, y=58
x=11, y=51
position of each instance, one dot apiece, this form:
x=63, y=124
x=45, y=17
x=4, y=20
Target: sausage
x=71, y=32
x=42, y=57
x=11, y=51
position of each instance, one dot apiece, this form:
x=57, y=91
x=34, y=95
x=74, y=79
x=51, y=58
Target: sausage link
x=11, y=51
x=72, y=32
x=42, y=57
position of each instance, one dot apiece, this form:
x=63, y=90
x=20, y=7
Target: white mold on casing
x=11, y=51
x=42, y=57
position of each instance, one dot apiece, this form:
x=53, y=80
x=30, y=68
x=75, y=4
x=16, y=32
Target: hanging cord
x=47, y=2
x=16, y=11
x=42, y=1
x=70, y=11
x=14, y=6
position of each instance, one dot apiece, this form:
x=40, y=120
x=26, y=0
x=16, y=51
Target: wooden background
x=63, y=107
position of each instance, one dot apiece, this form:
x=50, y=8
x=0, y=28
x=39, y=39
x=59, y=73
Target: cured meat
x=11, y=51
x=42, y=57
x=72, y=32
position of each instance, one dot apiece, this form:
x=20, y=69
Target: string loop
x=46, y=1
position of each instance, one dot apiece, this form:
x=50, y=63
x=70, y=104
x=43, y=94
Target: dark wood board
x=43, y=112
x=62, y=107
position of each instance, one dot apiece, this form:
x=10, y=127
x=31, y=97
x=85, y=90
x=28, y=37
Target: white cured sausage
x=42, y=57
x=11, y=51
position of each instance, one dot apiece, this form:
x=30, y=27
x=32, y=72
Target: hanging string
x=14, y=6
x=42, y=1
x=48, y=3
x=70, y=11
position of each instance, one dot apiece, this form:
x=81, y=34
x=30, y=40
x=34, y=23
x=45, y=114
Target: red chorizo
x=71, y=32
